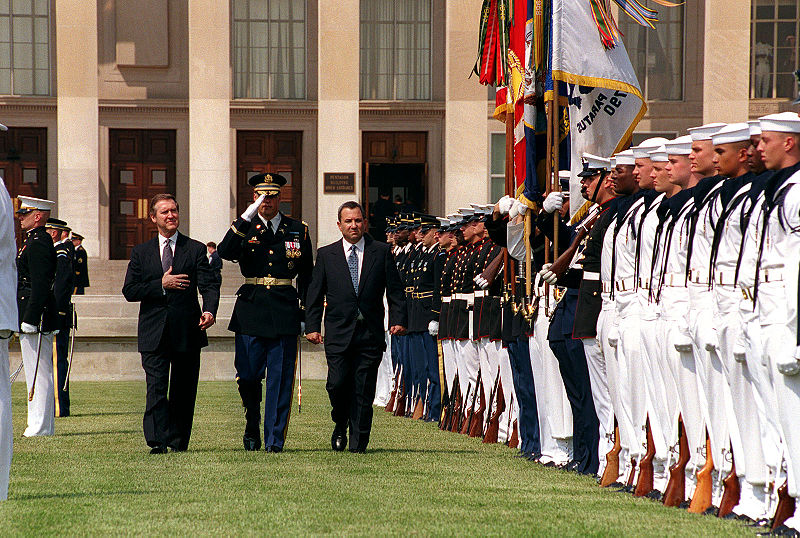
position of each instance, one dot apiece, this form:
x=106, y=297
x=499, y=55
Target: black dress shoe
x=338, y=440
x=160, y=449
x=251, y=444
x=177, y=449
x=655, y=495
x=684, y=505
x=783, y=530
x=760, y=523
x=616, y=485
x=275, y=449
x=534, y=457
x=521, y=454
x=358, y=450
x=711, y=511
x=550, y=464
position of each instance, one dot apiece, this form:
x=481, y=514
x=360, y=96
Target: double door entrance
x=23, y=164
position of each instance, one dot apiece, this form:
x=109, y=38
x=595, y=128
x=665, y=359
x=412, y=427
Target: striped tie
x=352, y=262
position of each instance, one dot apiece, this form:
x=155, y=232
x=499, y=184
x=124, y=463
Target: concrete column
x=338, y=136
x=209, y=119
x=726, y=85
x=77, y=118
x=466, y=145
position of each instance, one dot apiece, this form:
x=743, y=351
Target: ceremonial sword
x=71, y=347
x=38, y=354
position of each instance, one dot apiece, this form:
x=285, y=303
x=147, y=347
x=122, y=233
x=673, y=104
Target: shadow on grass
x=105, y=414
x=387, y=451
x=78, y=494
x=107, y=432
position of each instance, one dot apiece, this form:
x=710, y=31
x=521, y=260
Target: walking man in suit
x=164, y=275
x=352, y=276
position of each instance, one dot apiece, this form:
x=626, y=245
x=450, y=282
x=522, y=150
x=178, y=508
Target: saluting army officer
x=36, y=270
x=81, y=265
x=271, y=249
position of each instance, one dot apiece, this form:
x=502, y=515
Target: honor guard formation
x=658, y=352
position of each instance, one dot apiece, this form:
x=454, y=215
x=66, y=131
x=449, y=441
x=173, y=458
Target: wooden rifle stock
x=458, y=411
x=611, y=472
x=494, y=422
x=513, y=441
x=632, y=475
x=447, y=401
x=493, y=268
x=390, y=406
x=786, y=506
x=468, y=422
x=466, y=414
x=400, y=408
x=455, y=394
x=561, y=264
x=476, y=425
x=701, y=499
x=675, y=492
x=645, y=483
x=731, y=493
x=419, y=409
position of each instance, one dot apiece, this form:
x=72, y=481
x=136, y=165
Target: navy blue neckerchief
x=701, y=199
x=728, y=204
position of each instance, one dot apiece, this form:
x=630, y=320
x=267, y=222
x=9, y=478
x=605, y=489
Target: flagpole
x=555, y=184
x=510, y=183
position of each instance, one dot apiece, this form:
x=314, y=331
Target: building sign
x=339, y=182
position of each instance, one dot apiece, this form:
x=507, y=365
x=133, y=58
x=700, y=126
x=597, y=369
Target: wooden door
x=23, y=164
x=277, y=152
x=142, y=165
x=384, y=147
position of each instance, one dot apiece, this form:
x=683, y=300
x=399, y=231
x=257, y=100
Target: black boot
x=251, y=400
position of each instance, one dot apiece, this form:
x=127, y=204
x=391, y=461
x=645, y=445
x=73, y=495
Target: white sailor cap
x=755, y=127
x=592, y=164
x=28, y=203
x=704, y=132
x=680, y=146
x=564, y=174
x=658, y=155
x=733, y=132
x=624, y=157
x=642, y=151
x=783, y=122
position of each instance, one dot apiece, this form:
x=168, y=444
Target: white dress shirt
x=276, y=220
x=359, y=252
x=163, y=241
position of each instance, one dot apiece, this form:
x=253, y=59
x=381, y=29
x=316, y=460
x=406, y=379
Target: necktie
x=166, y=257
x=352, y=262
x=270, y=233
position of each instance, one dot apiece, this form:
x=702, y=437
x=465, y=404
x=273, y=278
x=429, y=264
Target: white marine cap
x=783, y=122
x=733, y=132
x=3, y=127
x=624, y=157
x=455, y=218
x=704, y=132
x=28, y=203
x=642, y=151
x=488, y=209
x=680, y=146
x=755, y=127
x=658, y=155
x=466, y=213
x=478, y=209
x=444, y=222
x=564, y=174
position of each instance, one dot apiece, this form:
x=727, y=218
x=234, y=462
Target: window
x=657, y=55
x=497, y=167
x=396, y=50
x=773, y=49
x=269, y=49
x=25, y=47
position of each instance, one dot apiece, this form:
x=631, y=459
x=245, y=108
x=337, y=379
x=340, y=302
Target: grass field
x=95, y=477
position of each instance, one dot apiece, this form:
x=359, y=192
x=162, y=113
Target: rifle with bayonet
x=611, y=472
x=675, y=492
x=468, y=419
x=701, y=499
x=645, y=483
x=493, y=429
x=462, y=404
x=400, y=400
x=731, y=494
x=476, y=424
x=419, y=408
x=396, y=380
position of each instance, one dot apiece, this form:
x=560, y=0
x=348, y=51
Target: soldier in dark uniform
x=415, y=376
x=421, y=343
x=36, y=271
x=64, y=284
x=81, y=265
x=271, y=250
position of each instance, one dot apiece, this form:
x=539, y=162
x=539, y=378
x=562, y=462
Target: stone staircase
x=105, y=342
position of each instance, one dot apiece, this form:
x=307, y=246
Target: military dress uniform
x=268, y=313
x=38, y=315
x=9, y=324
x=81, y=265
x=62, y=288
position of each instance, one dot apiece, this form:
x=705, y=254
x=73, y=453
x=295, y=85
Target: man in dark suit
x=62, y=288
x=351, y=276
x=164, y=274
x=81, y=265
x=214, y=260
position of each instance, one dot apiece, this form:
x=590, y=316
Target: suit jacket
x=36, y=271
x=330, y=281
x=64, y=283
x=216, y=264
x=175, y=311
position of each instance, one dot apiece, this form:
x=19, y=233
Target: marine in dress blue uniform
x=62, y=288
x=271, y=249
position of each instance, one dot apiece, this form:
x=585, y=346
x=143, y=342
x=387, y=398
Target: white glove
x=791, y=364
x=251, y=211
x=682, y=342
x=504, y=204
x=481, y=282
x=613, y=337
x=517, y=209
x=740, y=349
x=712, y=343
x=302, y=327
x=27, y=328
x=433, y=328
x=553, y=202
x=548, y=275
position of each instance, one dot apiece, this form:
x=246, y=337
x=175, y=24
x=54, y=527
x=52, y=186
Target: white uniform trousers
x=6, y=429
x=601, y=398
x=383, y=385
x=489, y=364
x=674, y=311
x=552, y=405
x=450, y=366
x=745, y=429
x=634, y=393
x=468, y=363
x=715, y=394
x=511, y=412
x=41, y=410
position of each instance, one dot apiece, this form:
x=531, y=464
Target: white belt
x=607, y=287
x=626, y=284
x=480, y=293
x=725, y=278
x=588, y=275
x=644, y=284
x=698, y=277
x=771, y=275
x=446, y=299
x=675, y=280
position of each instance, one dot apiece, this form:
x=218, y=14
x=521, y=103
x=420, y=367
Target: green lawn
x=96, y=477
